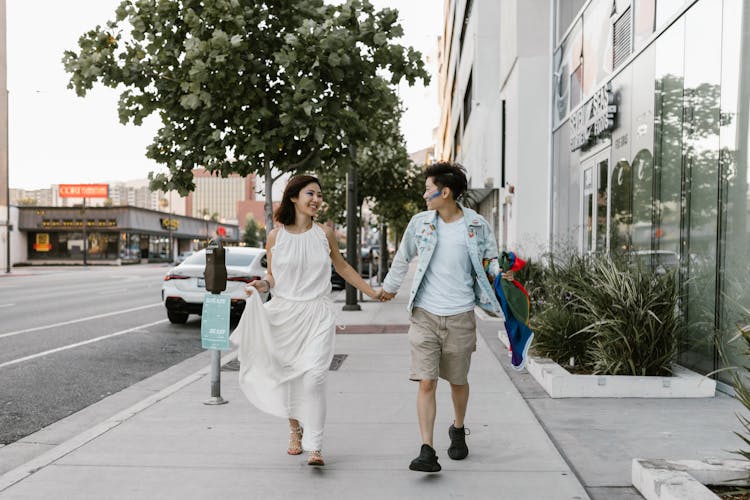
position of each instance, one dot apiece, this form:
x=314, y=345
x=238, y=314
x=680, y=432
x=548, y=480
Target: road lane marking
x=72, y=321
x=79, y=344
x=6, y=305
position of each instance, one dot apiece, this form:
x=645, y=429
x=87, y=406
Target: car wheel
x=177, y=317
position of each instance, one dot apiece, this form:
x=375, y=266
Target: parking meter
x=216, y=269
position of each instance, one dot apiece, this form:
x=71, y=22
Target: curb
x=32, y=466
x=660, y=479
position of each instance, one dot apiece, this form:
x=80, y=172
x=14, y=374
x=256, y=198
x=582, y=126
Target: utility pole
x=351, y=227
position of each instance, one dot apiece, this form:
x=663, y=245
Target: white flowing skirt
x=285, y=350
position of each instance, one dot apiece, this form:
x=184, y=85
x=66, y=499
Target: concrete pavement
x=523, y=445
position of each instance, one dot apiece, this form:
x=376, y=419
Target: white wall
x=17, y=240
x=526, y=87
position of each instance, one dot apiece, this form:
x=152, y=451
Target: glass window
x=645, y=11
x=588, y=210
x=666, y=9
x=668, y=95
x=601, y=206
x=621, y=208
x=701, y=132
x=567, y=60
x=735, y=165
x=597, y=49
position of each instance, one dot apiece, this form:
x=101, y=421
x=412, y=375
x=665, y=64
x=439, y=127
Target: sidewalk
x=523, y=444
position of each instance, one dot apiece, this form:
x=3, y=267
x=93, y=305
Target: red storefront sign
x=84, y=190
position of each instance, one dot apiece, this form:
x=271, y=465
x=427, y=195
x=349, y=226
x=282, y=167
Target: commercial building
x=493, y=82
x=113, y=235
x=613, y=126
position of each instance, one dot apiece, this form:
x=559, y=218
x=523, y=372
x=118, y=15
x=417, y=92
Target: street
x=70, y=337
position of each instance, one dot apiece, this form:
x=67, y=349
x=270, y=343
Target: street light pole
x=351, y=228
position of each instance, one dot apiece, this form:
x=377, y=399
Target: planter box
x=559, y=383
x=682, y=479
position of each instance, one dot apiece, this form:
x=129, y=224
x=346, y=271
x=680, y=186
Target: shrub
x=612, y=316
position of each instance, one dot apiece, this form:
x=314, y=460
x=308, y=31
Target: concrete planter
x=559, y=383
x=681, y=479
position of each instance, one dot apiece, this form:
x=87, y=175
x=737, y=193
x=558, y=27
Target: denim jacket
x=420, y=239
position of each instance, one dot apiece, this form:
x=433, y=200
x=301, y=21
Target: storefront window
x=735, y=175
x=601, y=206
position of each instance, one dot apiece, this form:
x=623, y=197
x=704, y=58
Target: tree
x=242, y=87
x=254, y=234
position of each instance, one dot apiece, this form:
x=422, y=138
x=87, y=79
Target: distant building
x=219, y=197
x=423, y=157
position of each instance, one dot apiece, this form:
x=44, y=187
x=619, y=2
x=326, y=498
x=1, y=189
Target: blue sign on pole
x=215, y=322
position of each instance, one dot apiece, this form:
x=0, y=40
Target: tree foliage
x=254, y=234
x=243, y=85
x=386, y=176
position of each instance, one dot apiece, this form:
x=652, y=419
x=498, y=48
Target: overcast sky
x=56, y=137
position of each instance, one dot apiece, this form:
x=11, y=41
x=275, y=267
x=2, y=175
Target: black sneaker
x=426, y=461
x=458, y=449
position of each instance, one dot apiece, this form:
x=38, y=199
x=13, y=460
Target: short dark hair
x=285, y=214
x=450, y=175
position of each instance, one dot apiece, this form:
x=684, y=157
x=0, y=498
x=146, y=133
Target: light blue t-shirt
x=447, y=286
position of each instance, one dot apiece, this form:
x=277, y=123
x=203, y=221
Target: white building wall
x=525, y=78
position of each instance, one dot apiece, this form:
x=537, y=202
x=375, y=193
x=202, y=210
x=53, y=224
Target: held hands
x=508, y=275
x=383, y=296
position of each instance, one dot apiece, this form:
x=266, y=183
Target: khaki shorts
x=442, y=346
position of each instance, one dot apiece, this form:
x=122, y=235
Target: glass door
x=595, y=204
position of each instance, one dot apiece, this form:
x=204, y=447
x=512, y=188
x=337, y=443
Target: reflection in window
x=702, y=80
x=669, y=62
x=576, y=86
x=736, y=186
x=588, y=210
x=621, y=208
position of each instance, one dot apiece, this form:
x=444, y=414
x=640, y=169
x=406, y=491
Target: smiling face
x=309, y=200
x=434, y=196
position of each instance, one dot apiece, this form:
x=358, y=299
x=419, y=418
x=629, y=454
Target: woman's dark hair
x=285, y=213
x=450, y=175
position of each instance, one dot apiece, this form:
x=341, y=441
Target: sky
x=56, y=137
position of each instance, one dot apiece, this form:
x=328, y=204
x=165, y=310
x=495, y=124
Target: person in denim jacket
x=456, y=254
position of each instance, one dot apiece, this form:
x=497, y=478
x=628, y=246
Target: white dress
x=286, y=345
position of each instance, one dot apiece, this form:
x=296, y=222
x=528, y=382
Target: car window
x=239, y=259
x=197, y=259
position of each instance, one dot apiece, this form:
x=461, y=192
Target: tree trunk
x=268, y=205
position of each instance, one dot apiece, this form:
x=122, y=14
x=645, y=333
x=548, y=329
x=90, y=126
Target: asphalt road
x=72, y=336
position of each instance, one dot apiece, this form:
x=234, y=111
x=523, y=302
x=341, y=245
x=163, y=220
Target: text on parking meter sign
x=215, y=322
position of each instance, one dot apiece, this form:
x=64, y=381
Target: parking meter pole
x=215, y=275
x=216, y=398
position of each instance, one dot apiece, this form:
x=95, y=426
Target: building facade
x=612, y=126
x=114, y=235
x=650, y=149
x=219, y=197
x=493, y=78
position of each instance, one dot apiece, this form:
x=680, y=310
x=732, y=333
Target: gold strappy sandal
x=295, y=441
x=315, y=458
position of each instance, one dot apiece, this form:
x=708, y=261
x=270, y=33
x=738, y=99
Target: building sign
x=83, y=190
x=77, y=223
x=593, y=119
x=42, y=242
x=171, y=224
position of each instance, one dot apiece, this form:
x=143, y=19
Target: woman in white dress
x=286, y=344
